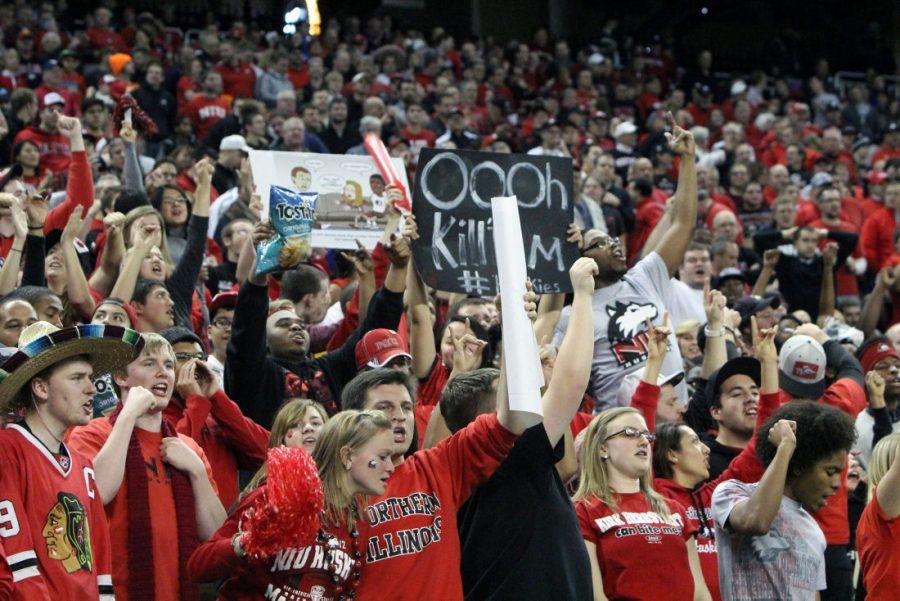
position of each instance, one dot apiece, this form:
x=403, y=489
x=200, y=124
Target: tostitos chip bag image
x=291, y=214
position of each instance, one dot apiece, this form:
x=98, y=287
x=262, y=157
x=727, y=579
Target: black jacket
x=160, y=106
x=258, y=383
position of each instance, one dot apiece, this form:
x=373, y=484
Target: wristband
x=713, y=333
x=36, y=227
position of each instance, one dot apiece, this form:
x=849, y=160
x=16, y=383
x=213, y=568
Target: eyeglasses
x=189, y=356
x=175, y=201
x=225, y=324
x=633, y=433
x=603, y=243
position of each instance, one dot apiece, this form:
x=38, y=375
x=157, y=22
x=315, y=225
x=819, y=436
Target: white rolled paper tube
x=520, y=352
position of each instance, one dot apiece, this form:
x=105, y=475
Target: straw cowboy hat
x=41, y=345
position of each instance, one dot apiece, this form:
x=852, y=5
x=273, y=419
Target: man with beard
x=878, y=355
x=624, y=300
x=263, y=367
x=340, y=136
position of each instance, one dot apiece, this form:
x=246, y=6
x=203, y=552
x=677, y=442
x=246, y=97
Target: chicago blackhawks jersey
x=52, y=524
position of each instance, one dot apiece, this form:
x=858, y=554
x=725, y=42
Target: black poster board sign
x=452, y=205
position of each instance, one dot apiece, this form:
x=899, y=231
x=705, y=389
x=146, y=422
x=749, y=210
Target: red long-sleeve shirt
x=413, y=547
x=54, y=148
x=79, y=192
x=877, y=238
x=230, y=440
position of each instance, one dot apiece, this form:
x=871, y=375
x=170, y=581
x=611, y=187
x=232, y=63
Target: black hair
x=143, y=288
x=17, y=148
x=31, y=294
x=301, y=281
x=156, y=199
x=355, y=392
x=668, y=438
x=128, y=200
x=20, y=98
x=467, y=396
x=643, y=187
x=821, y=431
x=456, y=307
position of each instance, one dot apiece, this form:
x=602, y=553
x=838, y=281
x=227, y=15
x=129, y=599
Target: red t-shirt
x=413, y=546
x=297, y=573
x=89, y=440
x=205, y=112
x=878, y=542
x=429, y=393
x=631, y=541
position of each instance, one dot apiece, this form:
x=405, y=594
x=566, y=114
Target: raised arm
x=109, y=464
x=888, y=489
x=123, y=289
x=754, y=515
x=684, y=204
x=573, y=363
x=104, y=277
x=80, y=185
x=770, y=261
x=871, y=313
x=715, y=354
x=77, y=290
x=9, y=273
x=827, y=294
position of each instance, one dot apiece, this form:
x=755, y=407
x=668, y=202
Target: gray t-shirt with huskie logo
x=620, y=329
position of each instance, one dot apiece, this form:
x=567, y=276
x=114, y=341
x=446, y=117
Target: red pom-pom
x=289, y=512
x=140, y=120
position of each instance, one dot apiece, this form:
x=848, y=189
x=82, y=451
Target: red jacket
x=647, y=215
x=230, y=440
x=877, y=238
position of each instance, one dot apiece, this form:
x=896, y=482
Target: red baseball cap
x=378, y=348
x=225, y=300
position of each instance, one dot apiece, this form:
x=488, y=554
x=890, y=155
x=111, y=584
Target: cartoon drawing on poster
x=351, y=203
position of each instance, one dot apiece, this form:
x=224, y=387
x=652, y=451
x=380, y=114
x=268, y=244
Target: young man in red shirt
x=415, y=132
x=238, y=78
x=413, y=549
x=157, y=486
x=47, y=490
x=208, y=107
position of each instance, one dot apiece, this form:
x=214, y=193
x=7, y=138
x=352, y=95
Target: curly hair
x=821, y=431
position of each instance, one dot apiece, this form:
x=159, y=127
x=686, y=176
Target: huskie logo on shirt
x=627, y=331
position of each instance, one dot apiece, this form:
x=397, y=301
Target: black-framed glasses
x=603, y=242
x=633, y=433
x=223, y=323
x=189, y=356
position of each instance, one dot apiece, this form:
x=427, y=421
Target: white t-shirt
x=788, y=562
x=685, y=303
x=620, y=332
x=864, y=436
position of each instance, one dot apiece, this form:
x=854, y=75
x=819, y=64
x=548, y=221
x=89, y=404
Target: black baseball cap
x=180, y=334
x=750, y=305
x=747, y=366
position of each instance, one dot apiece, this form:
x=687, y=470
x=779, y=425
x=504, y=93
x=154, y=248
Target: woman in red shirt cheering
x=640, y=543
x=878, y=533
x=353, y=455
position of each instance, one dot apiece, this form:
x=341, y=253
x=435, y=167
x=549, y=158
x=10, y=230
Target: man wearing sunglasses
x=201, y=409
x=625, y=299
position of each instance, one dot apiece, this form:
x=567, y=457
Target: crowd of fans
x=720, y=410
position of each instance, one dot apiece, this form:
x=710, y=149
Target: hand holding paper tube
x=520, y=356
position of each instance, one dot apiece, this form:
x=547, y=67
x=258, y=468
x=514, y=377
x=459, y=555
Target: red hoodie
x=55, y=149
x=230, y=440
x=698, y=502
x=413, y=545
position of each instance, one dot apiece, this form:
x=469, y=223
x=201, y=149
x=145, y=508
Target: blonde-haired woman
x=298, y=424
x=878, y=532
x=353, y=456
x=640, y=544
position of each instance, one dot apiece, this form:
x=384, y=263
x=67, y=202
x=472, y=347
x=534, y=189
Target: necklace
x=346, y=590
